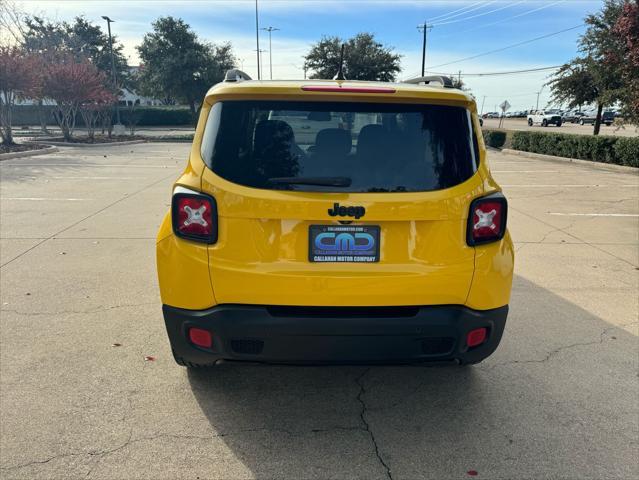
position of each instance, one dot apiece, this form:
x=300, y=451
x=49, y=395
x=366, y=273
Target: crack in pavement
x=130, y=441
x=67, y=312
x=557, y=350
x=362, y=416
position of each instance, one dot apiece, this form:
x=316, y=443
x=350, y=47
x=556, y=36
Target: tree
x=81, y=40
x=364, y=59
x=177, y=65
x=627, y=29
x=596, y=76
x=75, y=85
x=19, y=77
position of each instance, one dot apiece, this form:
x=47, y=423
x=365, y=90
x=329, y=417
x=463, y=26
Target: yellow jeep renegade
x=335, y=222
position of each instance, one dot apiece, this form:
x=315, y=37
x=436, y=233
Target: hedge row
x=157, y=116
x=599, y=148
x=495, y=138
x=146, y=116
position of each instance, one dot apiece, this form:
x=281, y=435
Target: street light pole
x=257, y=41
x=424, y=27
x=270, y=48
x=115, y=84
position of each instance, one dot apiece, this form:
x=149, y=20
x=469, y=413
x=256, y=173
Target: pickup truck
x=545, y=118
x=607, y=117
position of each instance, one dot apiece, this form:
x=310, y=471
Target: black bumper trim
x=307, y=336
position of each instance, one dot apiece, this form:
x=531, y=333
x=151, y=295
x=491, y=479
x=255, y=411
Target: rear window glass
x=368, y=147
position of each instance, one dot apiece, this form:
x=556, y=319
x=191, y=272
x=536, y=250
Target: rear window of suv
x=370, y=147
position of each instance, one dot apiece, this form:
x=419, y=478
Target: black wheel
x=559, y=123
x=581, y=122
x=544, y=123
x=530, y=122
x=608, y=124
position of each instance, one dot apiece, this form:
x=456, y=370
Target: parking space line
x=97, y=165
x=594, y=214
x=43, y=199
x=569, y=186
x=525, y=171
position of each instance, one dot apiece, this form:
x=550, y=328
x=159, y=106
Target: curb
x=590, y=163
x=89, y=145
x=28, y=153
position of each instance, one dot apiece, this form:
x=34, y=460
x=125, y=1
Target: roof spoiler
x=236, y=75
x=445, y=81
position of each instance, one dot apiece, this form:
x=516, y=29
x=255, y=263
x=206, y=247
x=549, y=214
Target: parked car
x=607, y=117
x=545, y=118
x=572, y=116
x=285, y=249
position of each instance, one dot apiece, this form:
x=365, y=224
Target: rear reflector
x=337, y=89
x=200, y=337
x=194, y=217
x=487, y=219
x=476, y=337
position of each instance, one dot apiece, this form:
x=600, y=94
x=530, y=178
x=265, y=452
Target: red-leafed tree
x=20, y=76
x=75, y=86
x=627, y=30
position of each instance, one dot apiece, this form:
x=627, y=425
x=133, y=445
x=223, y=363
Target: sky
x=460, y=29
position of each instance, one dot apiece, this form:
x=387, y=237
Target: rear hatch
x=325, y=203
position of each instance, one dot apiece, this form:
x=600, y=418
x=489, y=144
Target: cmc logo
x=344, y=241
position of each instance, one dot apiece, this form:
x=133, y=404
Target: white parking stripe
x=42, y=199
x=594, y=214
x=567, y=186
x=93, y=178
x=525, y=171
x=83, y=165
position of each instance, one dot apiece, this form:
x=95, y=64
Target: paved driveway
x=558, y=399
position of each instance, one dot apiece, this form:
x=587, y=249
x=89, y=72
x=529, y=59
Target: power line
x=479, y=14
x=510, y=72
x=528, y=12
x=509, y=46
x=468, y=9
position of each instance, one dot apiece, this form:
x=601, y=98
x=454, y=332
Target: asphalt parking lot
x=557, y=400
x=575, y=128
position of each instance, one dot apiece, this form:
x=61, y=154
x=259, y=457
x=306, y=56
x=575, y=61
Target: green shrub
x=494, y=138
x=158, y=116
x=618, y=150
x=627, y=151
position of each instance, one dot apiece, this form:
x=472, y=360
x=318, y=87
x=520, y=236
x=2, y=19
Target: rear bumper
x=334, y=335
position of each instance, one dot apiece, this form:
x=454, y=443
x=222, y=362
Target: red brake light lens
x=476, y=337
x=194, y=217
x=338, y=89
x=487, y=219
x=200, y=337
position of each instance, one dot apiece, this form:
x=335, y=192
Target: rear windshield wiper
x=321, y=181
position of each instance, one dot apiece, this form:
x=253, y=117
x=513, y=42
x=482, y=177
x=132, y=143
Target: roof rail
x=445, y=81
x=236, y=75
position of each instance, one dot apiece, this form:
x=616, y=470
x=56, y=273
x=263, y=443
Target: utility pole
x=539, y=93
x=113, y=75
x=482, y=105
x=257, y=40
x=270, y=48
x=259, y=56
x=424, y=27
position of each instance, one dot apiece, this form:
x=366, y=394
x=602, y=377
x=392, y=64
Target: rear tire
x=581, y=122
x=559, y=123
x=530, y=122
x=544, y=123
